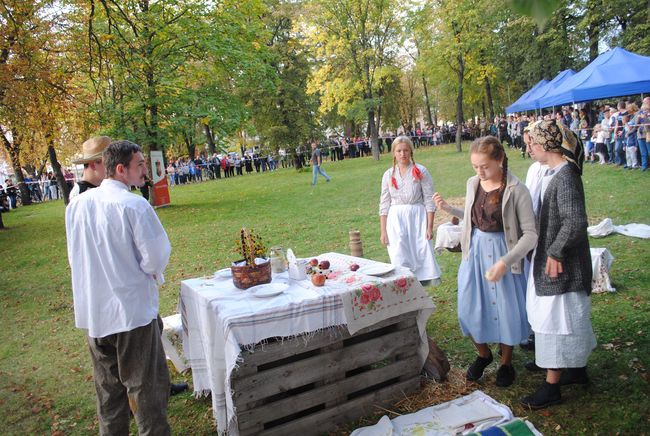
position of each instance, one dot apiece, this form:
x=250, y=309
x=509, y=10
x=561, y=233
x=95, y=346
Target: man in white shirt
x=118, y=250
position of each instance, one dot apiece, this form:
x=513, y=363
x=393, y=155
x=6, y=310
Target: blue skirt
x=491, y=312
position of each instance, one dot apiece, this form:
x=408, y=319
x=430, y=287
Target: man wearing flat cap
x=91, y=158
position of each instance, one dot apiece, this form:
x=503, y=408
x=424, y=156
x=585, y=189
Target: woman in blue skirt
x=498, y=231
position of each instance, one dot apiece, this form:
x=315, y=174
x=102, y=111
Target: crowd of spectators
x=615, y=135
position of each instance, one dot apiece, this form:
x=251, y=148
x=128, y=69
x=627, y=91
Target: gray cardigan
x=563, y=236
x=518, y=221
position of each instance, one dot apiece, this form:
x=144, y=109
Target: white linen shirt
x=411, y=191
x=117, y=250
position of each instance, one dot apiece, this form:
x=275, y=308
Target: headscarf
x=558, y=138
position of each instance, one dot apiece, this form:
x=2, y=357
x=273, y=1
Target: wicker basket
x=246, y=276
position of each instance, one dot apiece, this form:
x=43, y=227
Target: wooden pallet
x=300, y=386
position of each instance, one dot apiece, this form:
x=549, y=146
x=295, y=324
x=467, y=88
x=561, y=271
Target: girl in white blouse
x=406, y=213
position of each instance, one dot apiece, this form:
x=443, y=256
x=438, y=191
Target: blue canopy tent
x=548, y=88
x=532, y=100
x=515, y=106
x=614, y=73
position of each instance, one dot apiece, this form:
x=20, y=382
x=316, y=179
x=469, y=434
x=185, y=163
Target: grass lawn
x=45, y=373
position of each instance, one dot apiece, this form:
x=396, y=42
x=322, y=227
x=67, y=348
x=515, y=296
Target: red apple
x=318, y=279
x=324, y=264
x=354, y=267
x=313, y=262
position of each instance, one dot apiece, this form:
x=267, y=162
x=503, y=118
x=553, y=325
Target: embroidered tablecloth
x=219, y=319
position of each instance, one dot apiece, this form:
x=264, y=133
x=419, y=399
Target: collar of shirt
x=115, y=184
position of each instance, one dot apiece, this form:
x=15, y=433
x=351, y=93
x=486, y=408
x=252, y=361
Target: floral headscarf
x=557, y=138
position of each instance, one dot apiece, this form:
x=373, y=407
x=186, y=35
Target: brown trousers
x=130, y=372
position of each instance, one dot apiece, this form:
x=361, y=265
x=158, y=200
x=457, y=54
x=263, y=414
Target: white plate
x=225, y=273
x=376, y=269
x=268, y=289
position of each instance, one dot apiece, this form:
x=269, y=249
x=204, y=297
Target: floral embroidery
x=401, y=285
x=368, y=297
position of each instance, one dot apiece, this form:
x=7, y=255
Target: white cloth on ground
x=117, y=250
x=172, y=340
x=474, y=412
x=601, y=263
x=447, y=236
x=607, y=227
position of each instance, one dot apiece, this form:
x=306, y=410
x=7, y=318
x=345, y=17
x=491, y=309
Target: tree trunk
x=488, y=94
x=191, y=148
x=208, y=134
x=592, y=33
x=14, y=155
x=374, y=137
x=459, y=103
x=60, y=180
x=426, y=100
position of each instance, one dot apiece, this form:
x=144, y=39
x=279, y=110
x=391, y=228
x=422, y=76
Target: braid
x=393, y=180
x=417, y=174
x=504, y=180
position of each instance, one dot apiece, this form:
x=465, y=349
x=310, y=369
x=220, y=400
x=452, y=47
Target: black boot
x=546, y=395
x=475, y=371
x=532, y=366
x=574, y=376
x=505, y=376
x=177, y=388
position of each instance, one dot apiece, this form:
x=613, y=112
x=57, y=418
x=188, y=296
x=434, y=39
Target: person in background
x=643, y=136
x=618, y=134
x=118, y=251
x=91, y=157
x=557, y=300
x=631, y=134
x=498, y=232
x=406, y=213
x=316, y=162
x=11, y=192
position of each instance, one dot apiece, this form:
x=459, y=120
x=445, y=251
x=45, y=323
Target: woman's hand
x=440, y=202
x=495, y=272
x=429, y=234
x=384, y=239
x=553, y=267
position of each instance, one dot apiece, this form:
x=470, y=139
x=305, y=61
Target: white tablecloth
x=219, y=319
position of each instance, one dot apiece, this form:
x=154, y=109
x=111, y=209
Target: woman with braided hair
x=497, y=232
x=406, y=213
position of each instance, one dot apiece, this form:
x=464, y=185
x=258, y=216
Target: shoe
x=532, y=367
x=546, y=395
x=528, y=346
x=475, y=371
x=177, y=388
x=574, y=376
x=505, y=376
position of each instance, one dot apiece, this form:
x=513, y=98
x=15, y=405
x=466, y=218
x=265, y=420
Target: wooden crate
x=300, y=386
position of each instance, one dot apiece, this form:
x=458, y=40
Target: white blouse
x=410, y=191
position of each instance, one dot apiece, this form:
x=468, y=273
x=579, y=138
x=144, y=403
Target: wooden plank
x=281, y=349
x=328, y=419
x=310, y=370
x=410, y=367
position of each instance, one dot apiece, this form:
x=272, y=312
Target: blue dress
x=491, y=312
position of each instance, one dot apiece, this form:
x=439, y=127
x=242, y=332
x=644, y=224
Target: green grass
x=45, y=371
